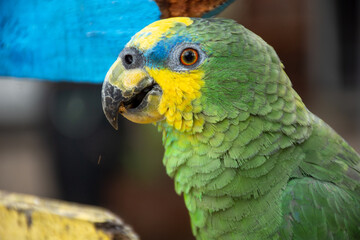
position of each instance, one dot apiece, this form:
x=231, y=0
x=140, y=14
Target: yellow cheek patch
x=147, y=37
x=180, y=99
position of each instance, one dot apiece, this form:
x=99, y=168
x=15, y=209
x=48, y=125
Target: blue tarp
x=68, y=40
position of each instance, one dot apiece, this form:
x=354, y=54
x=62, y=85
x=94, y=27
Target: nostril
x=128, y=59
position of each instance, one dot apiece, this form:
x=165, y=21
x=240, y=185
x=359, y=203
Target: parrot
x=248, y=157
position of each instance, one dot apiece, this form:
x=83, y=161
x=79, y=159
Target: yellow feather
x=180, y=90
x=149, y=36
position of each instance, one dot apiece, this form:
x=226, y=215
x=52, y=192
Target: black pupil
x=189, y=56
x=128, y=59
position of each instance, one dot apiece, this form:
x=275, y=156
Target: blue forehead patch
x=158, y=55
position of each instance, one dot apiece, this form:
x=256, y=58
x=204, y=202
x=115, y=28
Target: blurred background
x=55, y=141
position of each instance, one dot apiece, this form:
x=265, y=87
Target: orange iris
x=189, y=56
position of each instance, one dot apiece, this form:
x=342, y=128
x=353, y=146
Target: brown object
x=187, y=8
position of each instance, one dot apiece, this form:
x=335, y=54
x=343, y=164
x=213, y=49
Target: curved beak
x=132, y=93
x=111, y=99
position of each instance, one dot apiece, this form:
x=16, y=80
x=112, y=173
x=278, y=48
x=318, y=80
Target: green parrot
x=251, y=161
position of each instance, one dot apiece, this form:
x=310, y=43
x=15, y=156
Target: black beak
x=131, y=93
x=111, y=99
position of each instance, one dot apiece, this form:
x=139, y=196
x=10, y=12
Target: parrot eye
x=189, y=56
x=185, y=57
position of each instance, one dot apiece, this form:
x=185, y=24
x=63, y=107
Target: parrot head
x=180, y=70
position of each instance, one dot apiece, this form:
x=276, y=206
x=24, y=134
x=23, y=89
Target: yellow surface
x=31, y=218
x=147, y=37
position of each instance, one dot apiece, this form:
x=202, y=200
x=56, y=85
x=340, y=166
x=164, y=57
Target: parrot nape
x=251, y=161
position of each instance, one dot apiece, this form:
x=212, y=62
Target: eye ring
x=189, y=56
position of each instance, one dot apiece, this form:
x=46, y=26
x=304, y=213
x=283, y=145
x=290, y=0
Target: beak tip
x=112, y=117
x=111, y=100
x=114, y=123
